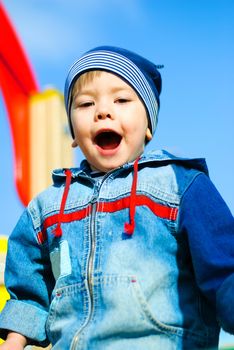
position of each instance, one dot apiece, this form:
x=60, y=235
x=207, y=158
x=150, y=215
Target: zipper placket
x=91, y=256
x=89, y=270
x=91, y=259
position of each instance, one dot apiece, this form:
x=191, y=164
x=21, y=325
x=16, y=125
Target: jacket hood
x=158, y=157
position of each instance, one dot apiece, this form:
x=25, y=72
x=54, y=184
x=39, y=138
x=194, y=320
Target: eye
x=85, y=104
x=122, y=100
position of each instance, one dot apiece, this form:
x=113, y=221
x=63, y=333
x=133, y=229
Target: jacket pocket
x=150, y=317
x=66, y=309
x=52, y=315
x=60, y=260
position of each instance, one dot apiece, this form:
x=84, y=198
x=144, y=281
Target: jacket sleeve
x=29, y=281
x=209, y=226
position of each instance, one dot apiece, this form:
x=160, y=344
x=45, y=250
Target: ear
x=148, y=135
x=74, y=144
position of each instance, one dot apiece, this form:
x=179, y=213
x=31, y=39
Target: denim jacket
x=94, y=286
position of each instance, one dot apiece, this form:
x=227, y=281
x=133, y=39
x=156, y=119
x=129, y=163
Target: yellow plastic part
x=50, y=140
x=3, y=292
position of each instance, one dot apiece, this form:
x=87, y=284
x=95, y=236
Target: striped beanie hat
x=141, y=74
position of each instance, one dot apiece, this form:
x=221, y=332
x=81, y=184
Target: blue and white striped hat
x=136, y=70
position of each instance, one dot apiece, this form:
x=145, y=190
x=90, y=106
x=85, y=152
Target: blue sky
x=194, y=41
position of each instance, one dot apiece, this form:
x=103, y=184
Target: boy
x=131, y=250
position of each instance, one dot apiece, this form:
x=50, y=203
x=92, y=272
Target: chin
x=109, y=166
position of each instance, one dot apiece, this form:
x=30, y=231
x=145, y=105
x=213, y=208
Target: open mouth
x=108, y=140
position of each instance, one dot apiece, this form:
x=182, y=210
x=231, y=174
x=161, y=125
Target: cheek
x=79, y=126
x=73, y=121
x=137, y=126
x=139, y=118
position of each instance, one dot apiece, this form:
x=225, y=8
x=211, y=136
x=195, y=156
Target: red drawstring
x=130, y=226
x=58, y=230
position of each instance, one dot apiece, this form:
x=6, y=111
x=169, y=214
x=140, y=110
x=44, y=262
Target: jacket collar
x=159, y=157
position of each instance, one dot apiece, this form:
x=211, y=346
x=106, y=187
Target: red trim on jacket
x=160, y=210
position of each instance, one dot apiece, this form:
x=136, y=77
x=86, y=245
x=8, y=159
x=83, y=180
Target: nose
x=101, y=116
x=103, y=111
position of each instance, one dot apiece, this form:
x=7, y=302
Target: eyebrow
x=120, y=88
x=90, y=92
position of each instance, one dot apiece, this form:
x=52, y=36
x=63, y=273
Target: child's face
x=109, y=121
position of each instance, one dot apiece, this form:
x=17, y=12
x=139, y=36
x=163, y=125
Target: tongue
x=108, y=140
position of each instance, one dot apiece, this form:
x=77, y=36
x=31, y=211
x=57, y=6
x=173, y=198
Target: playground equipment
x=37, y=119
x=17, y=83
x=37, y=122
x=3, y=293
x=3, y=249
